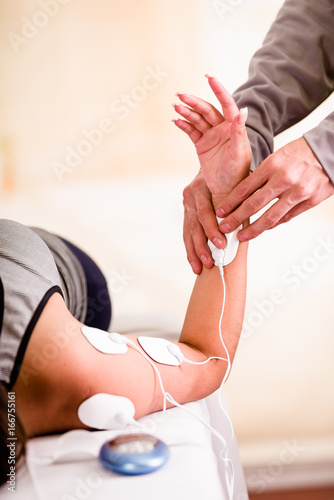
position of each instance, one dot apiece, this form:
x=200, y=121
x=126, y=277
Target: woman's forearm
x=85, y=371
x=201, y=325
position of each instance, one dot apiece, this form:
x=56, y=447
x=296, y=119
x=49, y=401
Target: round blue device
x=134, y=454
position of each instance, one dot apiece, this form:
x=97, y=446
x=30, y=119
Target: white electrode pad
x=157, y=349
x=102, y=342
x=106, y=411
x=230, y=251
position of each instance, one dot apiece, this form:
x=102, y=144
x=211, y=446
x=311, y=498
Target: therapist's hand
x=199, y=224
x=292, y=175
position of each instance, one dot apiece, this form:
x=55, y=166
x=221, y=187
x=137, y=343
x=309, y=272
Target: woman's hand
x=220, y=139
x=224, y=152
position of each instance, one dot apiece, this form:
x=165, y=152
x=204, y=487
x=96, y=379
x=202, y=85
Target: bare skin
x=225, y=153
x=48, y=398
x=292, y=176
x=61, y=369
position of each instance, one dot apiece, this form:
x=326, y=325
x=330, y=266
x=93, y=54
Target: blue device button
x=134, y=454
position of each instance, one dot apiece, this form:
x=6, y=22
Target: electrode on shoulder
x=108, y=343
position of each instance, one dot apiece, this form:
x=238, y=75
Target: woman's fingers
x=189, y=129
x=207, y=110
x=193, y=117
x=229, y=107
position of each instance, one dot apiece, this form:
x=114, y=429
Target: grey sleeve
x=321, y=141
x=290, y=76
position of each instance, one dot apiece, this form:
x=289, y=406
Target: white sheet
x=192, y=470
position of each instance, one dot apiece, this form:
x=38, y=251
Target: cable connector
x=218, y=254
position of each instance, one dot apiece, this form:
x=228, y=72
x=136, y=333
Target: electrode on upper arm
x=108, y=343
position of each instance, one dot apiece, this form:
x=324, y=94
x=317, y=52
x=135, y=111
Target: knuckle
x=286, y=218
x=274, y=162
x=195, y=118
x=186, y=194
x=305, y=191
x=286, y=178
x=313, y=200
x=186, y=230
x=271, y=219
x=193, y=226
x=227, y=205
x=203, y=213
x=299, y=194
x=234, y=221
x=253, y=205
x=242, y=189
x=252, y=232
x=198, y=184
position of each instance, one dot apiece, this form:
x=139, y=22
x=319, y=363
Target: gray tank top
x=34, y=264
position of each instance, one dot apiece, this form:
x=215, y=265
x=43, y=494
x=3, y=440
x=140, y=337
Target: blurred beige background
x=87, y=149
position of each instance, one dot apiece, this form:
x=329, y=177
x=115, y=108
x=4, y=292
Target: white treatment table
x=65, y=467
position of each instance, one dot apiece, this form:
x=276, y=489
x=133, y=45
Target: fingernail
x=209, y=76
x=242, y=237
x=173, y=105
x=220, y=213
x=243, y=116
x=225, y=228
x=217, y=242
x=194, y=267
x=204, y=260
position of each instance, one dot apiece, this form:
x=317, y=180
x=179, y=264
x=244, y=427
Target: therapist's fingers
x=194, y=236
x=243, y=191
x=192, y=257
x=293, y=212
x=207, y=110
x=268, y=220
x=249, y=207
x=200, y=224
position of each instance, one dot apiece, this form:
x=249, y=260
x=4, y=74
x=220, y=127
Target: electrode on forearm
x=224, y=256
x=157, y=349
